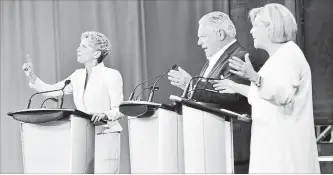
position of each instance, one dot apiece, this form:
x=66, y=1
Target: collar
x=98, y=66
x=218, y=54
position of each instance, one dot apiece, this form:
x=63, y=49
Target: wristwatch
x=258, y=81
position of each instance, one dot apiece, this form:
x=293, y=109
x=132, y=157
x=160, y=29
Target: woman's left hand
x=243, y=69
x=98, y=117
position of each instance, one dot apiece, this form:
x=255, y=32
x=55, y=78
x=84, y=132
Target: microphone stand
x=62, y=98
x=188, y=86
x=159, y=76
x=152, y=90
x=132, y=93
x=186, y=91
x=63, y=92
x=156, y=89
x=53, y=99
x=28, y=106
x=62, y=89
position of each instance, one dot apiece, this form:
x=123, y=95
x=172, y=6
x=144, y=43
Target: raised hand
x=243, y=69
x=28, y=69
x=179, y=78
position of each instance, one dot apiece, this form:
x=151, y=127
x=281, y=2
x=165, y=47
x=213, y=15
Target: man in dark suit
x=216, y=35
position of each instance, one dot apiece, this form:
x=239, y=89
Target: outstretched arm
x=39, y=85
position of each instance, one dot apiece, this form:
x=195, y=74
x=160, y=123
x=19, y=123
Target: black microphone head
x=174, y=66
x=67, y=82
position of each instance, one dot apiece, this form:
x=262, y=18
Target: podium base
x=64, y=146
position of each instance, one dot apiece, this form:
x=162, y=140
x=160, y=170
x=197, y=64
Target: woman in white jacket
x=282, y=135
x=96, y=90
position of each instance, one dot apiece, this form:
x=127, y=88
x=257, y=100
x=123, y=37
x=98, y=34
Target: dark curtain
x=318, y=49
x=147, y=37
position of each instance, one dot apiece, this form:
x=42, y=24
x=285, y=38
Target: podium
x=208, y=137
x=155, y=137
x=56, y=140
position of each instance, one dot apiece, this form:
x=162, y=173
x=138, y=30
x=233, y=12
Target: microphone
x=37, y=93
x=152, y=90
x=63, y=93
x=52, y=98
x=189, y=83
x=156, y=89
x=196, y=84
x=132, y=93
x=203, y=89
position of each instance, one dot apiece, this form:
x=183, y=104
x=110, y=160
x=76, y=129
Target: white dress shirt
x=213, y=59
x=283, y=138
x=103, y=93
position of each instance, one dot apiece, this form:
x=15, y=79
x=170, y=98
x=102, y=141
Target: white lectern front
x=56, y=141
x=155, y=138
x=207, y=132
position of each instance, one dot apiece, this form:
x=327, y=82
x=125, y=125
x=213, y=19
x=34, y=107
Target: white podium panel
x=207, y=142
x=156, y=144
x=171, y=143
x=65, y=146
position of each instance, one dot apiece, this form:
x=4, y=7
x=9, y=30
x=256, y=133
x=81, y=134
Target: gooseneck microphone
x=156, y=89
x=51, y=98
x=132, y=93
x=188, y=86
x=186, y=90
x=37, y=93
x=63, y=93
x=152, y=90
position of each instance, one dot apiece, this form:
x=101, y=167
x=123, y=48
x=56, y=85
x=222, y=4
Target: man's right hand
x=28, y=70
x=179, y=78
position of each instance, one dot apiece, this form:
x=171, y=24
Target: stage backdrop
x=318, y=49
x=147, y=37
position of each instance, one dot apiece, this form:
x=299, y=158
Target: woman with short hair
x=282, y=136
x=97, y=90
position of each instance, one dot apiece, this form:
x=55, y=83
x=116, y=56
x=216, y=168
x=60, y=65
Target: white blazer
x=103, y=93
x=283, y=136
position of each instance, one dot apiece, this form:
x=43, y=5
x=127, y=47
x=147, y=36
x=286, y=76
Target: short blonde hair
x=100, y=43
x=281, y=22
x=219, y=20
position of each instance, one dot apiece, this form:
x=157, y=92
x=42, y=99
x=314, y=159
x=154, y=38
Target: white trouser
x=107, y=153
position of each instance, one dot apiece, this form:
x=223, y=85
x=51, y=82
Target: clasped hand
x=98, y=117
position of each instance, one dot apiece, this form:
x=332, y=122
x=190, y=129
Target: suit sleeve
x=223, y=99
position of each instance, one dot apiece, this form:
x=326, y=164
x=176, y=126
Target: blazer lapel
x=204, y=69
x=223, y=58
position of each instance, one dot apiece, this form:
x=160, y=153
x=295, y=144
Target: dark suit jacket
x=233, y=102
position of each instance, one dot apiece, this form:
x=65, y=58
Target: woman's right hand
x=28, y=69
